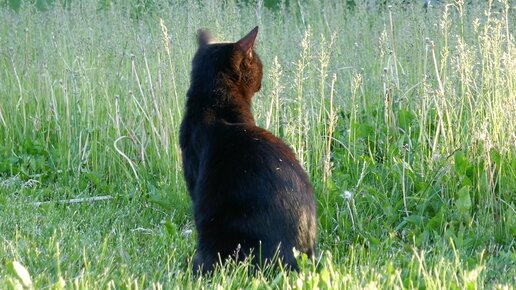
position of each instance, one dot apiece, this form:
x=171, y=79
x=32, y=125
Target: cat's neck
x=228, y=110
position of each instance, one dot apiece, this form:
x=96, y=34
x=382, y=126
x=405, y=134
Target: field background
x=404, y=117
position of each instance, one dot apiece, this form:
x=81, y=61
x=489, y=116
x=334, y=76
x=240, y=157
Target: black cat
x=249, y=193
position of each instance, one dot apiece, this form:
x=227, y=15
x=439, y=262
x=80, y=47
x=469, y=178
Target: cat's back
x=249, y=154
x=249, y=138
x=250, y=143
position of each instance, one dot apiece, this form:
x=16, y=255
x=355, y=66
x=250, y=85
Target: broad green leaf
x=437, y=221
x=326, y=278
x=362, y=130
x=461, y=162
x=495, y=156
x=171, y=228
x=405, y=118
x=93, y=178
x=463, y=202
x=416, y=220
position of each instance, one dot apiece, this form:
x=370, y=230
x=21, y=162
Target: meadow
x=404, y=118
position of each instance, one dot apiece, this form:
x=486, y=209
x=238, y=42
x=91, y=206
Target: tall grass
x=404, y=118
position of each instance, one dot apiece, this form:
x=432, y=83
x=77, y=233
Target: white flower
x=347, y=195
x=296, y=252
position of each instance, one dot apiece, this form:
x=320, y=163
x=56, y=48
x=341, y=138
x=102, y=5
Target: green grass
x=405, y=121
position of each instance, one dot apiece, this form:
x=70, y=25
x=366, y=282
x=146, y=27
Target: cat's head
x=234, y=67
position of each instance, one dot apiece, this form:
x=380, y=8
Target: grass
x=404, y=119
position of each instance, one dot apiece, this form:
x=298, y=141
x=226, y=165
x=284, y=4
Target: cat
x=250, y=195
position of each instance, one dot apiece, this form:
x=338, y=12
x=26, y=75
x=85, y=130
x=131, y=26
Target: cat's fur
x=249, y=192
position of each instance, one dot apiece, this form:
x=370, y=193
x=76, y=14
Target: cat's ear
x=247, y=42
x=203, y=37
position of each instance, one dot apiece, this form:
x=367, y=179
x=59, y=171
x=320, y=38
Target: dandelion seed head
x=347, y=195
